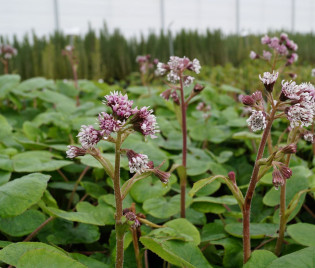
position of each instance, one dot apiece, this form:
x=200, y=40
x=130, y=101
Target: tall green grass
x=111, y=56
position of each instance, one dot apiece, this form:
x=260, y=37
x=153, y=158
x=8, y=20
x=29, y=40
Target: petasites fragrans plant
x=69, y=52
x=296, y=103
x=6, y=54
x=116, y=128
x=176, y=69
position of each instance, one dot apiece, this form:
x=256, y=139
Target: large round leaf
x=185, y=227
x=304, y=258
x=22, y=224
x=182, y=254
x=303, y=233
x=260, y=259
x=18, y=195
x=150, y=187
x=34, y=161
x=162, y=208
x=45, y=258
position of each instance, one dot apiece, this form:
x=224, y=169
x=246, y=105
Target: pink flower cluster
x=283, y=46
x=301, y=111
x=8, y=51
x=121, y=106
x=123, y=115
x=145, y=63
x=175, y=68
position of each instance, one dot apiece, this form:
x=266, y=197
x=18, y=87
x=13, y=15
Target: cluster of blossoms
x=145, y=63
x=257, y=120
x=175, y=68
x=7, y=51
x=282, y=46
x=123, y=117
x=301, y=97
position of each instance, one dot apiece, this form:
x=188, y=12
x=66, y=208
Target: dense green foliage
x=110, y=56
x=39, y=118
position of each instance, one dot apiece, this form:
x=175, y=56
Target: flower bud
x=257, y=96
x=162, y=175
x=277, y=179
x=198, y=88
x=289, y=149
x=175, y=97
x=248, y=100
x=138, y=163
x=231, y=176
x=285, y=172
x=74, y=151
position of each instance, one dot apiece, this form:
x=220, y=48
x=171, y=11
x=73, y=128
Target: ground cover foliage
x=57, y=212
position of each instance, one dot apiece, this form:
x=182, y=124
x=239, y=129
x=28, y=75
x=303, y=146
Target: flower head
x=188, y=80
x=195, y=66
x=138, y=163
x=89, y=137
x=8, y=51
x=161, y=68
x=253, y=55
x=290, y=90
x=308, y=136
x=277, y=178
x=119, y=103
x=257, y=120
x=131, y=216
x=108, y=124
x=267, y=55
x=74, y=151
x=145, y=122
x=299, y=115
x=269, y=79
x=265, y=40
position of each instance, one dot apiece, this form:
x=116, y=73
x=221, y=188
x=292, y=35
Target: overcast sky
x=133, y=17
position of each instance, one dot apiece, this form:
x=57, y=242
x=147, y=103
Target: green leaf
x=206, y=207
x=183, y=254
x=304, y=258
x=150, y=188
x=213, y=231
x=34, y=161
x=33, y=83
x=161, y=208
x=257, y=230
x=7, y=83
x=13, y=252
x=88, y=261
x=84, y=217
x=225, y=199
x=22, y=224
x=243, y=135
x=4, y=177
x=5, y=128
x=260, y=259
x=18, y=195
x=45, y=258
x=185, y=227
x=62, y=232
x=303, y=233
x=201, y=183
x=93, y=189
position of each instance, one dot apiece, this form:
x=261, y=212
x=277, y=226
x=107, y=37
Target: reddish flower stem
x=184, y=152
x=251, y=190
x=120, y=233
